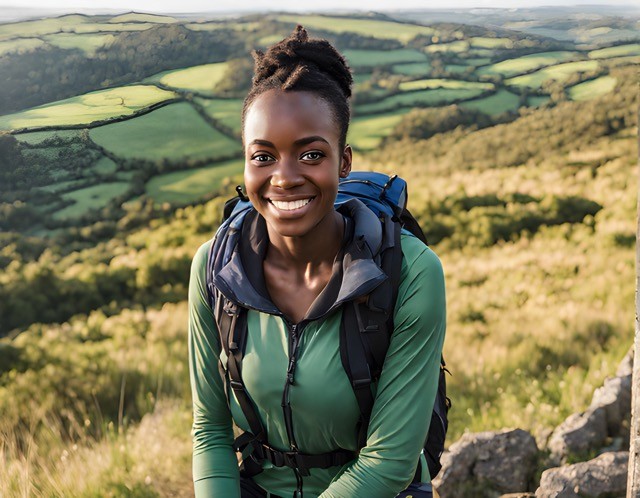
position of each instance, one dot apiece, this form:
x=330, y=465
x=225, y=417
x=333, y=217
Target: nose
x=287, y=174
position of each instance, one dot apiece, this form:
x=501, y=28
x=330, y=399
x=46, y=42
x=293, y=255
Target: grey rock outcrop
x=605, y=475
x=606, y=418
x=578, y=433
x=503, y=461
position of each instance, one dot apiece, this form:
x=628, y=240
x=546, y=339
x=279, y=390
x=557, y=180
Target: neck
x=309, y=253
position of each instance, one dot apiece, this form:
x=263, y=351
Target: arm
x=407, y=386
x=215, y=467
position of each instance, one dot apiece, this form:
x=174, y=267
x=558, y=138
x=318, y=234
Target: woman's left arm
x=407, y=387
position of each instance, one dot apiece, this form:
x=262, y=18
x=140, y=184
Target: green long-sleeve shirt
x=325, y=411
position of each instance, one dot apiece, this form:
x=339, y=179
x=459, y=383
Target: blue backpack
x=364, y=335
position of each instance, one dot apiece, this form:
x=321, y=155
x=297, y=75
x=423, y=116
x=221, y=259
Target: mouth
x=290, y=205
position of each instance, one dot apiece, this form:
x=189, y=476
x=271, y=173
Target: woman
x=291, y=271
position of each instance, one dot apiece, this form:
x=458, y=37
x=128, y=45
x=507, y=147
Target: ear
x=345, y=165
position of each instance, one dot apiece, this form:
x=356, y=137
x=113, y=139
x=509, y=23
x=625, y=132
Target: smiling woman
x=267, y=297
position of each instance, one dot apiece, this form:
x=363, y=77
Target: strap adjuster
x=236, y=385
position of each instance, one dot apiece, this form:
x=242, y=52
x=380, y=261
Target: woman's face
x=293, y=161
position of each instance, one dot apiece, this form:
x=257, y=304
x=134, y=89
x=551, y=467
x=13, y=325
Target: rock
x=603, y=476
x=615, y=397
x=626, y=365
x=503, y=461
x=579, y=433
x=518, y=495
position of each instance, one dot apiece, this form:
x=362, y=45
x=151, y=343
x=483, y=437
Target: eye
x=262, y=158
x=313, y=155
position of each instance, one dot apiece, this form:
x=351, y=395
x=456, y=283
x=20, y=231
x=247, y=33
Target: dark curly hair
x=298, y=63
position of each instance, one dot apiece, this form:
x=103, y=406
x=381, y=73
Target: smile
x=291, y=205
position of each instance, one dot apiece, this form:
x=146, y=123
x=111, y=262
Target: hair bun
x=298, y=54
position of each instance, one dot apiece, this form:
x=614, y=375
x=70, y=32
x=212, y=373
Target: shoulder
x=418, y=258
x=202, y=255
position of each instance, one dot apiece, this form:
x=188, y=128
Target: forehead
x=289, y=115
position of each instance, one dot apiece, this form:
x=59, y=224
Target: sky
x=186, y=6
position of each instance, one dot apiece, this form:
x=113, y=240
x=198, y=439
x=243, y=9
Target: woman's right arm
x=215, y=466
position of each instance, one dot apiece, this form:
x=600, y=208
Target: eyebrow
x=300, y=141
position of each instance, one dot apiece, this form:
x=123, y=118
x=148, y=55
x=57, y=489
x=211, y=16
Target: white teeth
x=290, y=206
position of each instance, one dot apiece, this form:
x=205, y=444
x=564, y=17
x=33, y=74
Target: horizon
x=253, y=6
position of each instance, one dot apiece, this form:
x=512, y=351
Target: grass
x=412, y=68
x=226, y=111
x=456, y=68
x=184, y=187
x=87, y=108
x=492, y=43
x=89, y=198
x=371, y=58
x=111, y=27
x=41, y=26
x=175, y=132
x=202, y=78
x=378, y=29
x=455, y=47
x=520, y=65
x=442, y=83
x=366, y=132
x=21, y=45
x=437, y=96
x=537, y=100
x=105, y=166
x=89, y=43
x=559, y=72
x=499, y=102
x=618, y=51
x=592, y=89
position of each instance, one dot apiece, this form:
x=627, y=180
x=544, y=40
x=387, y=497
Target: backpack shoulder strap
x=366, y=327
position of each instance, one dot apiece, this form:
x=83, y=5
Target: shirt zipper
x=295, y=330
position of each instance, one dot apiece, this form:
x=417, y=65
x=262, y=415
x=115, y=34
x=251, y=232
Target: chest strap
x=291, y=459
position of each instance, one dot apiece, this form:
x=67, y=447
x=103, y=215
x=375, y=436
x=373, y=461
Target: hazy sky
x=297, y=5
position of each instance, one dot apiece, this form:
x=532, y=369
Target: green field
x=94, y=197
x=106, y=166
x=456, y=47
x=41, y=27
x=499, y=102
x=184, y=187
x=370, y=58
x=559, y=72
x=366, y=132
x=378, y=29
x=136, y=17
x=437, y=96
x=457, y=68
x=412, y=68
x=202, y=78
x=486, y=42
x=408, y=86
x=619, y=51
x=37, y=137
x=226, y=111
x=520, y=65
x=87, y=108
x=20, y=45
x=537, y=100
x=592, y=89
x=112, y=27
x=175, y=132
x=89, y=43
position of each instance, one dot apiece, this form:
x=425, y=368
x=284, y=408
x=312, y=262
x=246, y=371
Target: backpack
x=362, y=354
